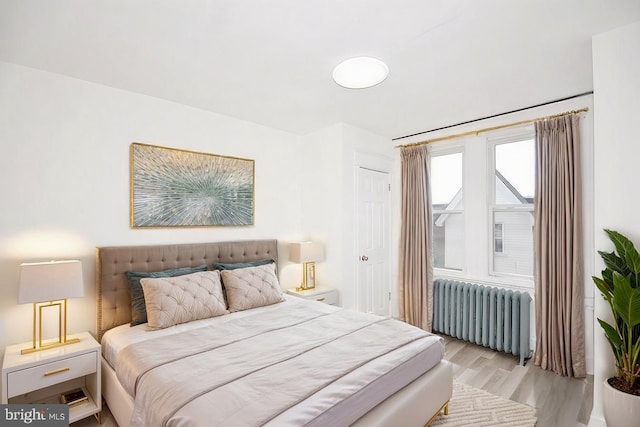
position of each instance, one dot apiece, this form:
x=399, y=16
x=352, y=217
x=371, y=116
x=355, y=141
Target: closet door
x=373, y=286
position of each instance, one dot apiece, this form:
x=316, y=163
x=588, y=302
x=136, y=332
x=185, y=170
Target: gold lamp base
x=49, y=345
x=39, y=345
x=308, y=276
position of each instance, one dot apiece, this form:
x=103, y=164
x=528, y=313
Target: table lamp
x=46, y=285
x=307, y=253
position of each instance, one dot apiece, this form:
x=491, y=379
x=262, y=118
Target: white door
x=373, y=292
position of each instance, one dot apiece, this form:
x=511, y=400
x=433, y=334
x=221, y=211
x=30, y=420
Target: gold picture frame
x=172, y=187
x=310, y=274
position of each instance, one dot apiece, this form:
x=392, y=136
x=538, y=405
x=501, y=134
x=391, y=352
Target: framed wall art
x=179, y=188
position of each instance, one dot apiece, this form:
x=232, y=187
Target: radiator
x=484, y=315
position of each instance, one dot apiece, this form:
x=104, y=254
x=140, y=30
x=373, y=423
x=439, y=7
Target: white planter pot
x=620, y=409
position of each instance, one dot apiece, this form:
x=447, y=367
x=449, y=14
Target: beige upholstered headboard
x=114, y=301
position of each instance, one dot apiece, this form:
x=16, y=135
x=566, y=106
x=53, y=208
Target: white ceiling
x=270, y=62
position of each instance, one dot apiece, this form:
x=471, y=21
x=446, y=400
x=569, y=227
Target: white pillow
x=251, y=287
x=174, y=300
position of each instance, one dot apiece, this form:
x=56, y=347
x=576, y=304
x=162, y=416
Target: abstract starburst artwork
x=180, y=188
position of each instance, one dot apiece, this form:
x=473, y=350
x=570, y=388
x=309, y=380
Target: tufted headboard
x=114, y=300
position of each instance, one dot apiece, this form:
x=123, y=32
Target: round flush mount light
x=360, y=73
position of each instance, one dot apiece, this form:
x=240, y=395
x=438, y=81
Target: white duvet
x=294, y=363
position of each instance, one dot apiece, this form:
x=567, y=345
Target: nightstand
x=42, y=376
x=319, y=293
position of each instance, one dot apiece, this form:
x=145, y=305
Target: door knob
x=364, y=258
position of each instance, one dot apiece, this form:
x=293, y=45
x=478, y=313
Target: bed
x=287, y=363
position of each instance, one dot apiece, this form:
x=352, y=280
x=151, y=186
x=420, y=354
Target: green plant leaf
x=633, y=260
x=615, y=341
x=626, y=300
x=620, y=286
x=626, y=250
x=614, y=263
x=619, y=241
x=605, y=288
x=607, y=276
x=612, y=335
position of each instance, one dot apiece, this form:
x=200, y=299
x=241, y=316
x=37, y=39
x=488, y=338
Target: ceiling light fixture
x=360, y=73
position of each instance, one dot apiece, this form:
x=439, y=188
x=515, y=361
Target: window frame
x=445, y=150
x=476, y=164
x=514, y=135
x=501, y=238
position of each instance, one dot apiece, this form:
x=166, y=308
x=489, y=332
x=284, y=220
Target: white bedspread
x=251, y=370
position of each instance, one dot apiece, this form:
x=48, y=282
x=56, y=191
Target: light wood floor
x=559, y=401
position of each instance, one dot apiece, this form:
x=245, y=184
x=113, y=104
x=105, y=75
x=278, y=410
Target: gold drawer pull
x=320, y=299
x=56, y=371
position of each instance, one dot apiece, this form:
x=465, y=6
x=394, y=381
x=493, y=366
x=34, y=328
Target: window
x=498, y=238
x=512, y=206
x=447, y=209
x=482, y=192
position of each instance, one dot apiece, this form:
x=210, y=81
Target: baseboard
x=597, y=421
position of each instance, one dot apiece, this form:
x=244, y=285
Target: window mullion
x=476, y=234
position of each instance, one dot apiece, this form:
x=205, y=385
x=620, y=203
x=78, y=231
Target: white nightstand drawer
x=330, y=298
x=320, y=293
x=26, y=380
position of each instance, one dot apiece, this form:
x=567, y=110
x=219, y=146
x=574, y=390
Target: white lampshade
x=50, y=281
x=302, y=252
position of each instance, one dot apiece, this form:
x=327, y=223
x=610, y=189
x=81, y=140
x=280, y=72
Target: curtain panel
x=415, y=293
x=558, y=277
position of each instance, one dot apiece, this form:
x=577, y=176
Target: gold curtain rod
x=476, y=132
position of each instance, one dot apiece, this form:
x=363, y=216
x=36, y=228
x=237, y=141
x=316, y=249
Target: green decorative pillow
x=236, y=265
x=138, y=306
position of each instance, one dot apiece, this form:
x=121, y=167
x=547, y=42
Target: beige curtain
x=559, y=285
x=416, y=266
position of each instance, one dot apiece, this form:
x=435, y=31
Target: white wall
x=64, y=179
x=616, y=83
x=321, y=204
x=329, y=163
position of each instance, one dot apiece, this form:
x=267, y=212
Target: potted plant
x=620, y=287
